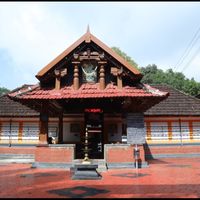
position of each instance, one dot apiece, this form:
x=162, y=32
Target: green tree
x=3, y=91
x=125, y=56
x=154, y=75
x=191, y=87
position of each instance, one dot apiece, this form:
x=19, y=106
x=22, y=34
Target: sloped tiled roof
x=177, y=103
x=88, y=91
x=10, y=108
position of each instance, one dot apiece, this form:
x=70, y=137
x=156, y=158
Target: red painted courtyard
x=164, y=178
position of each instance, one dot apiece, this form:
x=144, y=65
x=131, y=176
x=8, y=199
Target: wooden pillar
x=148, y=129
x=20, y=131
x=191, y=130
x=43, y=136
x=60, y=133
x=119, y=78
x=119, y=82
x=44, y=118
x=76, y=76
x=102, y=75
x=169, y=125
x=57, y=83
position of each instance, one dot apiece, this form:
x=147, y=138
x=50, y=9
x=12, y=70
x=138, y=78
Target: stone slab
x=85, y=172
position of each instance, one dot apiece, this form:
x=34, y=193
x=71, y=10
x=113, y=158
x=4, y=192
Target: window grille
x=30, y=130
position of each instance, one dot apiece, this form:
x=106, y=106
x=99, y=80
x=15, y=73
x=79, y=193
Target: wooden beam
x=89, y=58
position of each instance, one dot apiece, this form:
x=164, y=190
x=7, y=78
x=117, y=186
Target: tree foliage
x=154, y=75
x=125, y=56
x=3, y=91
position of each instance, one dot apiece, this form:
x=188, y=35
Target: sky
x=32, y=34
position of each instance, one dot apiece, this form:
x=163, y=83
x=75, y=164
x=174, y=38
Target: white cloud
x=34, y=33
x=32, y=36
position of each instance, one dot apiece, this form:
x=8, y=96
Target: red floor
x=166, y=178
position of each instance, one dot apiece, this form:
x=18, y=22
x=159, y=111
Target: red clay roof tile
x=87, y=91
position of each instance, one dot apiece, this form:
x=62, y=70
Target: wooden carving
x=59, y=73
x=117, y=72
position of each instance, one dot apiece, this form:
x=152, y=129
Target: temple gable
x=88, y=60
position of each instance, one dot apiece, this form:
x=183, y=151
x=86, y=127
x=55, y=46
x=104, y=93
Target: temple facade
x=87, y=90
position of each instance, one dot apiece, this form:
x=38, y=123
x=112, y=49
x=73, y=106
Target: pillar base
x=43, y=143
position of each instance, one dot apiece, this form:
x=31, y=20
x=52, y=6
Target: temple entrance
x=94, y=127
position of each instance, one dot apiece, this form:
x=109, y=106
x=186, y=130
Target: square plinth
x=85, y=172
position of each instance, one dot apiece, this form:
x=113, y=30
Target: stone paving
x=164, y=178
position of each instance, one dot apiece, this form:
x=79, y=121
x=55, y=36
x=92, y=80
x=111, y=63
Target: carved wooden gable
x=90, y=61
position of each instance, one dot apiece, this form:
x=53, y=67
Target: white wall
x=196, y=130
x=176, y=134
x=159, y=130
x=185, y=131
x=9, y=131
x=30, y=130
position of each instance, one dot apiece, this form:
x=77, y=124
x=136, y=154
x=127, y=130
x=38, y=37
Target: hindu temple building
x=88, y=88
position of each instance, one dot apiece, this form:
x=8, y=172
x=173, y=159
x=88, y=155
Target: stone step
x=17, y=158
x=85, y=172
x=100, y=162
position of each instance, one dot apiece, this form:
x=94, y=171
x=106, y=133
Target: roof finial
x=88, y=28
x=88, y=35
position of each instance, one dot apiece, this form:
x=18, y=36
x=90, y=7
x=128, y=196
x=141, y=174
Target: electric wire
x=188, y=49
x=192, y=58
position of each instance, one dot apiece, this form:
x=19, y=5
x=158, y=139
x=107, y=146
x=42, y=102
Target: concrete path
x=164, y=178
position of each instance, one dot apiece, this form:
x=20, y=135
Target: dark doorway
x=94, y=126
